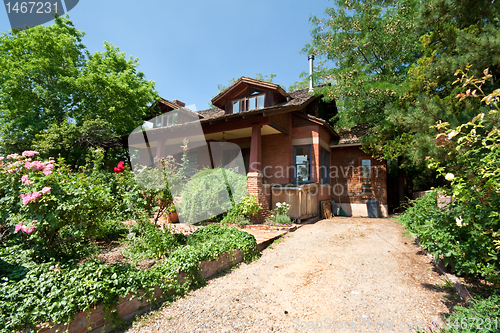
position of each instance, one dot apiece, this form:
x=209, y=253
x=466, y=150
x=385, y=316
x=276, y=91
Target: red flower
x=120, y=167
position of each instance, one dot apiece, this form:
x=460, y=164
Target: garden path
x=360, y=273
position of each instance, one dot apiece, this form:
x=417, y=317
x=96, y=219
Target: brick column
x=255, y=176
x=255, y=186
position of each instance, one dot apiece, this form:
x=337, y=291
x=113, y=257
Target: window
x=171, y=119
x=325, y=167
x=366, y=176
x=167, y=119
x=254, y=102
x=302, y=164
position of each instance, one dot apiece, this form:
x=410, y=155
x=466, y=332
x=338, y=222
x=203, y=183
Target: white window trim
x=244, y=101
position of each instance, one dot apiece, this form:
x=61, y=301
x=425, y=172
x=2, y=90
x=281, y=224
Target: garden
x=58, y=223
x=465, y=234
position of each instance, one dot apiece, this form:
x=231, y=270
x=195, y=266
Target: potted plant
x=172, y=216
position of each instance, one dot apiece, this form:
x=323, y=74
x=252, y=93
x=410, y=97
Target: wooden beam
x=224, y=127
x=279, y=128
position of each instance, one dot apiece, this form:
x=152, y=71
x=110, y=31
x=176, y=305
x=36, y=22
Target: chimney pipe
x=311, y=58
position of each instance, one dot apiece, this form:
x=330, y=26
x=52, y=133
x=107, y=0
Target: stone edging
x=459, y=287
x=129, y=307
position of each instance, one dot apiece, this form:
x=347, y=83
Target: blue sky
x=188, y=47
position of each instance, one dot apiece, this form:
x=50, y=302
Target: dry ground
x=354, y=274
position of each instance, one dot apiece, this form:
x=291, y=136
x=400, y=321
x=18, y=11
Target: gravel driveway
x=354, y=274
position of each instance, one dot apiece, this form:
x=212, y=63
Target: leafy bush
x=481, y=316
x=220, y=239
x=278, y=215
x=282, y=219
x=211, y=192
x=52, y=208
x=148, y=241
x=241, y=212
x=467, y=233
x=452, y=234
x=32, y=293
x=55, y=211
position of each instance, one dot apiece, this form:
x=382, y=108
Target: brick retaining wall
x=128, y=308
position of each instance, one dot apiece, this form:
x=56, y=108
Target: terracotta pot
x=172, y=217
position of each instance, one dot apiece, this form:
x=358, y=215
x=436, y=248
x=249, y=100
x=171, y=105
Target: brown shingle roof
x=353, y=135
x=217, y=100
x=297, y=98
x=211, y=113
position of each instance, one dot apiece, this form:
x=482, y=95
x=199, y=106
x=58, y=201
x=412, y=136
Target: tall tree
x=372, y=45
x=49, y=80
x=393, y=65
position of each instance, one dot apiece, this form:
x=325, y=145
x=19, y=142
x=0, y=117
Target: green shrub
x=458, y=234
x=51, y=209
x=148, y=241
x=241, y=212
x=211, y=192
x=32, y=293
x=467, y=232
x=282, y=219
x=481, y=316
x=221, y=239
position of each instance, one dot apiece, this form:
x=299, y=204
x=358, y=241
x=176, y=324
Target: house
x=289, y=150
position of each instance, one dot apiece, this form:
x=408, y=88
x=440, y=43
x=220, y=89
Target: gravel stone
x=344, y=271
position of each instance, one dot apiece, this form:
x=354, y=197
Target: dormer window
x=171, y=119
x=248, y=94
x=167, y=119
x=254, y=102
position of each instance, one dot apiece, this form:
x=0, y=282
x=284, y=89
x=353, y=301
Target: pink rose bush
x=23, y=228
x=64, y=203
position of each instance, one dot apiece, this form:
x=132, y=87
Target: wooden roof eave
x=248, y=82
x=321, y=122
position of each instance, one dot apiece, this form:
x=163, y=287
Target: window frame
x=309, y=162
x=366, y=180
x=244, y=102
x=324, y=178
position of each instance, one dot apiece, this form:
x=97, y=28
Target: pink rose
x=29, y=153
x=46, y=172
x=46, y=189
x=18, y=227
x=26, y=198
x=30, y=229
x=26, y=181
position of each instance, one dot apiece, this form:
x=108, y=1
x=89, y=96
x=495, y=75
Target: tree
x=372, y=44
x=49, y=80
x=393, y=66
